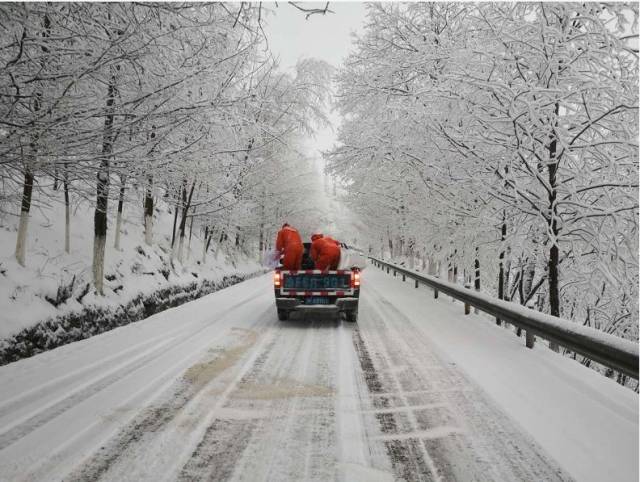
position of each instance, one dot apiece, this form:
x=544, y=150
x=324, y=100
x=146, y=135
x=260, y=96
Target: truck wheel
x=351, y=316
x=283, y=315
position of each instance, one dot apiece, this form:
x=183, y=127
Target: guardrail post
x=530, y=338
x=416, y=283
x=435, y=291
x=387, y=270
x=467, y=306
x=394, y=272
x=404, y=278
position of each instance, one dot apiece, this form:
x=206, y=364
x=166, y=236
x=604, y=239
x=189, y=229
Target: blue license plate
x=317, y=300
x=317, y=282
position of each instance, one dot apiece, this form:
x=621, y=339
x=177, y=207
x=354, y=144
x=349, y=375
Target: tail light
x=355, y=279
x=277, y=279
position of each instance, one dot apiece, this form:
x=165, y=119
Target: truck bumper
x=294, y=304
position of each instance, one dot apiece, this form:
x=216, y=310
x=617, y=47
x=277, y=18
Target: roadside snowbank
x=51, y=301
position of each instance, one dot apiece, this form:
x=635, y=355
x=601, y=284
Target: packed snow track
x=219, y=389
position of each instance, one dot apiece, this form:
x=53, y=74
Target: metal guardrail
x=611, y=351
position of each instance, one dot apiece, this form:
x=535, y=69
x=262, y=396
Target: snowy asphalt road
x=219, y=389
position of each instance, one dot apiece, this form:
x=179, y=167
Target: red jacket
x=325, y=253
x=288, y=239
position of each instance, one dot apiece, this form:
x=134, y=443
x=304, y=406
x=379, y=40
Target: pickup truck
x=312, y=290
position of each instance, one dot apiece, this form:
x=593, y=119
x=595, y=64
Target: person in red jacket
x=325, y=252
x=289, y=244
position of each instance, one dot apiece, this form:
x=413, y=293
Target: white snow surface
x=219, y=389
x=587, y=422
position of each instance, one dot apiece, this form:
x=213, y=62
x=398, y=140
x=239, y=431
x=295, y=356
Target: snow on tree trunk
x=25, y=207
x=190, y=234
x=102, y=191
x=181, y=247
x=100, y=227
x=554, y=251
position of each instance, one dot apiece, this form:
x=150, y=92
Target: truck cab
x=311, y=290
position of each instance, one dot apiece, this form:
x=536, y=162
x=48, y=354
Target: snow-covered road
x=219, y=389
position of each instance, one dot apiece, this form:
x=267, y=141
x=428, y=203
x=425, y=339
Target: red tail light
x=355, y=279
x=277, y=279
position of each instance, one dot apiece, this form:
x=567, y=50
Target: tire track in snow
x=8, y=406
x=216, y=455
x=282, y=411
x=464, y=435
x=407, y=458
x=44, y=414
x=154, y=419
x=227, y=429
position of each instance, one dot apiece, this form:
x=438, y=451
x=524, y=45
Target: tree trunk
x=116, y=244
x=507, y=274
x=29, y=177
x=501, y=270
x=102, y=191
x=554, y=251
x=455, y=266
x=100, y=225
x=148, y=213
x=186, y=204
x=529, y=272
x=190, y=234
x=67, y=215
x=175, y=224
x=205, y=243
x=411, y=254
x=223, y=237
x=261, y=246
x=25, y=207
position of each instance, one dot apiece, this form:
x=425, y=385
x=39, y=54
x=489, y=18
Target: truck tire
x=351, y=316
x=283, y=315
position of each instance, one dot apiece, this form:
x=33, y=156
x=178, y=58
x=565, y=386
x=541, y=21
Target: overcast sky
x=326, y=37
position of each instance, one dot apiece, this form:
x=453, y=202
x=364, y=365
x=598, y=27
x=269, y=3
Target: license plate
x=316, y=300
x=316, y=282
